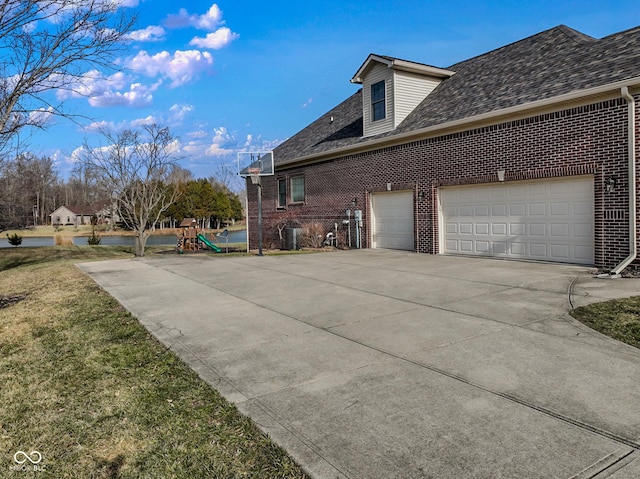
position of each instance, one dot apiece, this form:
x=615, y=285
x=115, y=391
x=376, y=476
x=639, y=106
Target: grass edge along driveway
x=88, y=388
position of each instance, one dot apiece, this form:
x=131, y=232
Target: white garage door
x=392, y=220
x=549, y=220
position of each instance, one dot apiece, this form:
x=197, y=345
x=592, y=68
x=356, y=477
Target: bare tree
x=136, y=169
x=225, y=175
x=49, y=45
x=27, y=188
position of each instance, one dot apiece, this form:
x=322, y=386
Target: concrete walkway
x=384, y=364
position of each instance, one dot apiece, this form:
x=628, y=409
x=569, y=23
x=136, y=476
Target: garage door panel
x=559, y=231
x=559, y=209
x=466, y=228
x=392, y=220
x=537, y=209
x=517, y=229
x=538, y=250
x=517, y=209
x=465, y=211
x=482, y=228
x=560, y=252
x=499, y=210
x=466, y=246
x=518, y=249
x=546, y=220
x=583, y=253
x=500, y=248
x=583, y=230
x=499, y=229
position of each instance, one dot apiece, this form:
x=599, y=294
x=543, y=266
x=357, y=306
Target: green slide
x=209, y=244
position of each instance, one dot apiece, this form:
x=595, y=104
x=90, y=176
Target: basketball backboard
x=255, y=163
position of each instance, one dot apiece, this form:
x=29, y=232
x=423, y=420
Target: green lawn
x=85, y=385
x=619, y=319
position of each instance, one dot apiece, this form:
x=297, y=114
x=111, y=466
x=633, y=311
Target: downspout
x=615, y=272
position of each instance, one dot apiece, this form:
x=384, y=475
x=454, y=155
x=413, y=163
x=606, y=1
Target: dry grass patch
x=619, y=319
x=84, y=384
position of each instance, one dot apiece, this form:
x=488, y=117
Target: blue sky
x=229, y=76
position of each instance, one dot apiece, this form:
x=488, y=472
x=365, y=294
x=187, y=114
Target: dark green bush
x=94, y=239
x=14, y=239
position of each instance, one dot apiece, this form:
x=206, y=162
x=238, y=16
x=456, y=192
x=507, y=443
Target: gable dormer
x=392, y=88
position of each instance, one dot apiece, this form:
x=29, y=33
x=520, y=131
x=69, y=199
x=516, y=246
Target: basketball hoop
x=254, y=174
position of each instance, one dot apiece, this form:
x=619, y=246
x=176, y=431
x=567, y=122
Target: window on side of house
x=297, y=189
x=378, y=101
x=282, y=193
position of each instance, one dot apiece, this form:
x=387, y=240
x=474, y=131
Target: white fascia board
x=459, y=125
x=421, y=69
x=399, y=64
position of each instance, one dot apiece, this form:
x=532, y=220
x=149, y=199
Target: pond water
x=154, y=240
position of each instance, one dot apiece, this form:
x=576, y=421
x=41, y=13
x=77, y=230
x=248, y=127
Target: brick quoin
x=585, y=140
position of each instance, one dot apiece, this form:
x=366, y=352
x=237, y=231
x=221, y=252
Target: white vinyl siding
x=410, y=90
x=550, y=220
x=378, y=73
x=404, y=91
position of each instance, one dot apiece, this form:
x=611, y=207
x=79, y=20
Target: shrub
x=94, y=239
x=312, y=235
x=60, y=240
x=14, y=239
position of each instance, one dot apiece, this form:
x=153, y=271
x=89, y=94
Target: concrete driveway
x=384, y=364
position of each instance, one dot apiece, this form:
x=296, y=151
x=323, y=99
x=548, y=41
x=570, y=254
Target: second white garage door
x=549, y=220
x=392, y=220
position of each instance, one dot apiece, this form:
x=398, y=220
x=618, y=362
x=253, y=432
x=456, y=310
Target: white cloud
x=307, y=103
x=138, y=95
x=98, y=126
x=207, y=21
x=180, y=68
x=127, y=3
x=41, y=116
x=216, y=40
x=148, y=120
x=104, y=91
x=179, y=112
x=222, y=143
x=150, y=34
x=91, y=83
x=198, y=134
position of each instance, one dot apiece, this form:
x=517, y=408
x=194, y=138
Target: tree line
x=31, y=188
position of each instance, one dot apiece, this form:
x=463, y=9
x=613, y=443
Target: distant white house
x=81, y=215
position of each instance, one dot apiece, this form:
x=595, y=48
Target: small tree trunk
x=141, y=241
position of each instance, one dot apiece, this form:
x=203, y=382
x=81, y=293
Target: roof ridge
x=623, y=32
x=574, y=35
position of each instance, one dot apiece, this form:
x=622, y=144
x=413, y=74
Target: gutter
x=633, y=236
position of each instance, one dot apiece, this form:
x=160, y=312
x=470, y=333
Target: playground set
x=192, y=238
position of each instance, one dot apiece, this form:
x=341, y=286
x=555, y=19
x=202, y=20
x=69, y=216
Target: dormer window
x=391, y=89
x=378, y=101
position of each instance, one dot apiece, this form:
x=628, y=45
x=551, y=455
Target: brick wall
x=589, y=139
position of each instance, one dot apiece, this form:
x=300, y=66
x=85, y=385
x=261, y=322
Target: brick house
x=525, y=152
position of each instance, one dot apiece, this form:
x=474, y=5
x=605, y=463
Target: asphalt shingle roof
x=552, y=63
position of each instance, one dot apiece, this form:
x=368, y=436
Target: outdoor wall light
x=354, y=201
x=421, y=196
x=500, y=175
x=610, y=184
